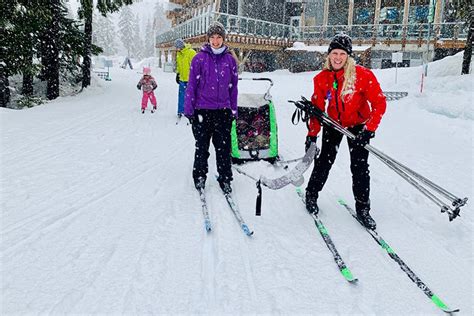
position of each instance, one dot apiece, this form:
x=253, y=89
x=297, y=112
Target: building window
x=391, y=12
x=364, y=11
x=314, y=12
x=419, y=10
x=338, y=12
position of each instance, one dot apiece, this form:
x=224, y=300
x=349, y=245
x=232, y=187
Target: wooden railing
x=245, y=26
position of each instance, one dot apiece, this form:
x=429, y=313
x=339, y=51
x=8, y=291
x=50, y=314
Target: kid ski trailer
x=254, y=134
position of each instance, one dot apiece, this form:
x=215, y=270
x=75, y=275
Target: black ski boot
x=364, y=216
x=225, y=186
x=312, y=204
x=200, y=183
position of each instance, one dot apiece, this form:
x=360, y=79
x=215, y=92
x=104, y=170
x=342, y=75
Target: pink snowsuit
x=148, y=85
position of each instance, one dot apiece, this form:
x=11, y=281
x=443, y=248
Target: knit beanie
x=216, y=28
x=179, y=43
x=341, y=41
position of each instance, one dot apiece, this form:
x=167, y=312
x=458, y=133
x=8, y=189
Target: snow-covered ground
x=99, y=214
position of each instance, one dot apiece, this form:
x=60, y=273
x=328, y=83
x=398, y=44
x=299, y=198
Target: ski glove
x=363, y=137
x=308, y=141
x=177, y=78
x=190, y=119
x=139, y=87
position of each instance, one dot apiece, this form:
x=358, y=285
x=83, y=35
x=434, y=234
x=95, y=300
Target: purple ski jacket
x=212, y=82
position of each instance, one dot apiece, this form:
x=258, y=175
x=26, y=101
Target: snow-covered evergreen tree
x=137, y=50
x=126, y=29
x=149, y=42
x=161, y=23
x=104, y=34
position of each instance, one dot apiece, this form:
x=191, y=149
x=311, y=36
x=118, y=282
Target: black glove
x=308, y=141
x=177, y=78
x=190, y=118
x=363, y=138
x=139, y=87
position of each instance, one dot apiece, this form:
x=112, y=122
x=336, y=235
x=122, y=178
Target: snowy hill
x=100, y=216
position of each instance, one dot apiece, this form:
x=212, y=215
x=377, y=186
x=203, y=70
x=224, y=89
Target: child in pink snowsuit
x=148, y=84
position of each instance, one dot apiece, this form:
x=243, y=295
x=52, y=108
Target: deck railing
x=234, y=25
x=263, y=29
x=383, y=32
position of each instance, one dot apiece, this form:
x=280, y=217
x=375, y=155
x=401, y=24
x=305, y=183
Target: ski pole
x=454, y=199
x=406, y=173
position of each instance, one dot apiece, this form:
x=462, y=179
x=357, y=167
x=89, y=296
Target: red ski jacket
x=353, y=108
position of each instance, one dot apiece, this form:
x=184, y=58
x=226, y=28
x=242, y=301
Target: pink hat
x=146, y=70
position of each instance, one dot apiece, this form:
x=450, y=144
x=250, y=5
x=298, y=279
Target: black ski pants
x=359, y=166
x=213, y=125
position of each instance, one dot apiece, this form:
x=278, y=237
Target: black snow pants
x=359, y=166
x=213, y=125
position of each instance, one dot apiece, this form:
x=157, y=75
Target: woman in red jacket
x=350, y=94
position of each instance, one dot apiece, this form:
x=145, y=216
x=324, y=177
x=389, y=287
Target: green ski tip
x=437, y=301
x=348, y=275
x=341, y=201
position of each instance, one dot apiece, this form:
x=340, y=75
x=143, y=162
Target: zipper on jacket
x=335, y=85
x=217, y=77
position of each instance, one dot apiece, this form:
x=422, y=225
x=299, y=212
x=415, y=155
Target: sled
x=254, y=134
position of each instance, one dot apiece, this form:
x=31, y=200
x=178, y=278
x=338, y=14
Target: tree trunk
x=4, y=88
x=52, y=39
x=27, y=88
x=466, y=62
x=86, y=64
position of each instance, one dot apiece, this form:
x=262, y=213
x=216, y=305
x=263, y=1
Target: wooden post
x=406, y=11
x=350, y=16
x=378, y=4
x=438, y=9
x=326, y=14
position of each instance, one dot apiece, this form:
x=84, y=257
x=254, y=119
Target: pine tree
x=86, y=12
x=21, y=24
x=103, y=34
x=126, y=29
x=51, y=38
x=161, y=23
x=466, y=63
x=137, y=51
x=149, y=48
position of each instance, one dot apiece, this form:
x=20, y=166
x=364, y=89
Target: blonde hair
x=349, y=74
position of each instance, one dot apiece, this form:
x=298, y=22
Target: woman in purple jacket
x=211, y=106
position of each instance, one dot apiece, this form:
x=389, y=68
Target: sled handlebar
x=267, y=95
x=259, y=79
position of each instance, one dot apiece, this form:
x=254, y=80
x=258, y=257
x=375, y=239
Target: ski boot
x=312, y=204
x=143, y=111
x=364, y=216
x=153, y=110
x=200, y=183
x=225, y=186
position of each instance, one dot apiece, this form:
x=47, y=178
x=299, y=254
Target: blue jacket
x=212, y=82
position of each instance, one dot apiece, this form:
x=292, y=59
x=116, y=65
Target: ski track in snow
x=100, y=215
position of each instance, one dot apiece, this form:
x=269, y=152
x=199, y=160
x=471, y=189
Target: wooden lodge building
x=269, y=34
